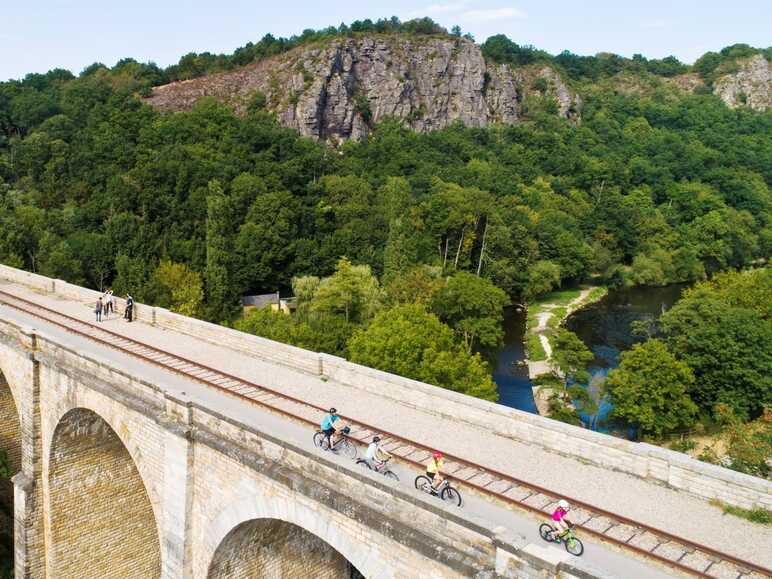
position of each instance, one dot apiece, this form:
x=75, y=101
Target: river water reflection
x=604, y=327
x=512, y=380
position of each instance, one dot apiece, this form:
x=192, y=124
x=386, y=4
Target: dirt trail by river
x=547, y=310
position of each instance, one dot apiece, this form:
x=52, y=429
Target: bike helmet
x=437, y=454
x=376, y=438
x=333, y=410
x=563, y=504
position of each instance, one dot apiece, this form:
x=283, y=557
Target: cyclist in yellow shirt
x=433, y=470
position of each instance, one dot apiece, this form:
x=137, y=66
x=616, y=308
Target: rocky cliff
x=749, y=85
x=337, y=90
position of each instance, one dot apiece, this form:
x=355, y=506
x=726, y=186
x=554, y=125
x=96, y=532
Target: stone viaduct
x=121, y=474
x=118, y=477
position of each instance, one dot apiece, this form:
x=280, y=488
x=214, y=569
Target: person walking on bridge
x=108, y=302
x=129, y=311
x=98, y=310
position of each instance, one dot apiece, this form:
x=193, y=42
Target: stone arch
x=102, y=522
x=275, y=548
x=10, y=445
x=246, y=521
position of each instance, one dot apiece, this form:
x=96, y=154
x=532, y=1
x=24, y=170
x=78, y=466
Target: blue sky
x=71, y=34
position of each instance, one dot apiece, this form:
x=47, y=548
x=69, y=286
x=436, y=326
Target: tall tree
x=221, y=292
x=473, y=307
x=650, y=389
x=412, y=342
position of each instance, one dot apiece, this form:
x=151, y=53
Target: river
x=604, y=327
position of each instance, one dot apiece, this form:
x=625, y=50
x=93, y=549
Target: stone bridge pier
x=119, y=476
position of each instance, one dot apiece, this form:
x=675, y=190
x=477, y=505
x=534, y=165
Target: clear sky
x=71, y=34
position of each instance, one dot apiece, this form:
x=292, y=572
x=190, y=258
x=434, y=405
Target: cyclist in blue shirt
x=328, y=427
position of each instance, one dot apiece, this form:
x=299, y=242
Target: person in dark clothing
x=129, y=312
x=98, y=310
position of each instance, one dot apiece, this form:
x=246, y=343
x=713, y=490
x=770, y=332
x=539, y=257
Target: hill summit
x=338, y=89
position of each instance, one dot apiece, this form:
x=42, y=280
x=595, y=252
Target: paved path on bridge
x=658, y=506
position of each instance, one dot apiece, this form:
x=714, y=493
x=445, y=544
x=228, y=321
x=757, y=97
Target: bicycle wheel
x=574, y=546
x=319, y=439
x=347, y=449
x=391, y=474
x=545, y=530
x=452, y=495
x=363, y=462
x=422, y=483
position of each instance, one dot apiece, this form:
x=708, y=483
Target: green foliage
x=543, y=277
x=684, y=445
x=176, y=287
x=418, y=285
x=570, y=357
x=748, y=445
x=352, y=291
x=321, y=333
x=499, y=48
x=722, y=329
x=222, y=300
x=409, y=341
x=473, y=307
x=650, y=389
x=711, y=65
x=557, y=409
x=534, y=348
x=757, y=515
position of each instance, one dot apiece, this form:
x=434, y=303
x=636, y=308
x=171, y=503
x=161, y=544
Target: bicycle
x=572, y=544
x=445, y=492
x=343, y=446
x=382, y=469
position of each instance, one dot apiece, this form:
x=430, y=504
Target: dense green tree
x=176, y=287
x=650, y=389
x=409, y=341
x=748, y=445
x=221, y=291
x=726, y=344
x=322, y=333
x=473, y=307
x=570, y=357
x=352, y=292
x=543, y=277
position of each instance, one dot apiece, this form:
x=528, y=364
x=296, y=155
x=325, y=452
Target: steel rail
x=162, y=361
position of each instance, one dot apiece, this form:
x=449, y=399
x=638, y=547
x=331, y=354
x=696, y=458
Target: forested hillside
x=191, y=210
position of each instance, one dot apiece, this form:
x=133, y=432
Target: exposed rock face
x=749, y=86
x=339, y=89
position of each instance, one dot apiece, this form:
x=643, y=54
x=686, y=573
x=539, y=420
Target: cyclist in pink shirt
x=559, y=520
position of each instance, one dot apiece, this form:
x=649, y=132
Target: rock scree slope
x=336, y=90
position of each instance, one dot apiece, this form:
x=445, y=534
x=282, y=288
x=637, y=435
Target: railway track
x=644, y=540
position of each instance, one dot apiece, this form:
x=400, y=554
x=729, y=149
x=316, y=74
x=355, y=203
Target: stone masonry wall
x=102, y=524
x=646, y=461
x=271, y=548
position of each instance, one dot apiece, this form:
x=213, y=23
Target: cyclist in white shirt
x=376, y=457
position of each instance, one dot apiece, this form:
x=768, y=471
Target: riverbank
x=545, y=315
